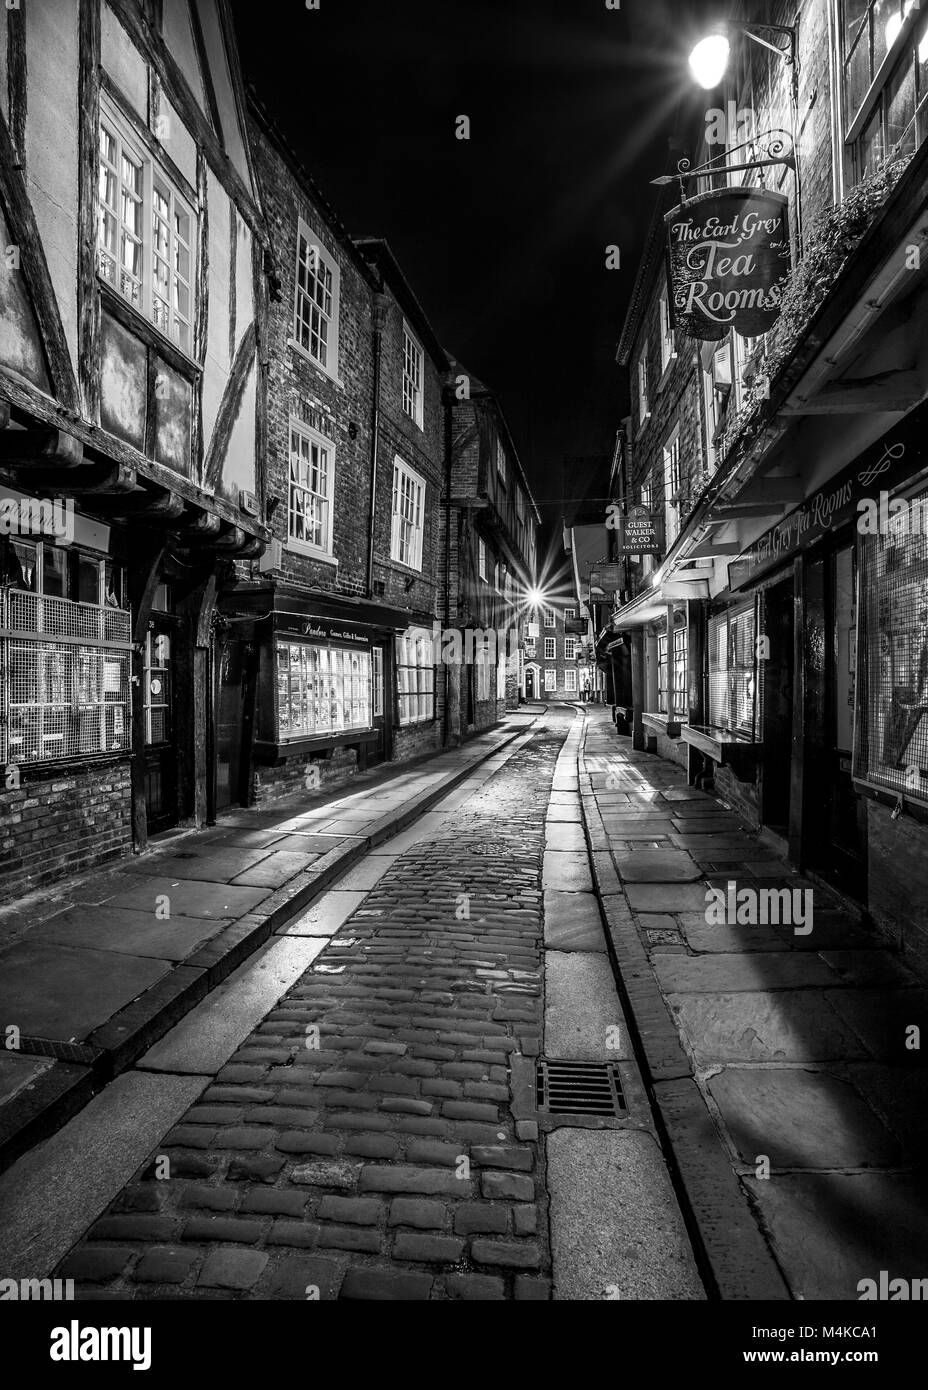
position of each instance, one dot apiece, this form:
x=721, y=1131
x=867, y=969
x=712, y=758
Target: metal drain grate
x=84, y=1053
x=579, y=1088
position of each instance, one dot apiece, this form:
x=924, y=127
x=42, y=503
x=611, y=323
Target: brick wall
x=299, y=389
x=332, y=769
x=60, y=823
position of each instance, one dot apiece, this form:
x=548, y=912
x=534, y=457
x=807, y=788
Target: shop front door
x=777, y=676
x=380, y=706
x=843, y=848
x=159, y=721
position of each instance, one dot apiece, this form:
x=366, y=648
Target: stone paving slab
x=666, y=897
x=129, y=932
x=882, y=1220
x=566, y=873
x=656, y=866
x=800, y=1119
x=189, y=898
x=784, y=1026
x=723, y=974
x=54, y=991
x=572, y=922
x=583, y=1019
x=616, y=1230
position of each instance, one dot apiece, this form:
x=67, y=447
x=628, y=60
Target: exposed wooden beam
x=88, y=293
x=91, y=478
x=101, y=444
x=710, y=547
x=206, y=76
x=38, y=449
x=229, y=408
x=40, y=291
x=17, y=82
x=153, y=49
x=788, y=490
x=676, y=589
x=155, y=505
x=735, y=511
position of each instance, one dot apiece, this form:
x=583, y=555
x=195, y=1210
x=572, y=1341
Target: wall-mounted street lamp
x=709, y=59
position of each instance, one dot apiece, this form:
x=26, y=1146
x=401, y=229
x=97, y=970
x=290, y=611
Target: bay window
x=146, y=232
x=322, y=689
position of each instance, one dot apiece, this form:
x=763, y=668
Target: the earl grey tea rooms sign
x=728, y=259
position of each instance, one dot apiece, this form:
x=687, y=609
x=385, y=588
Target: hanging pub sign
x=729, y=258
x=641, y=531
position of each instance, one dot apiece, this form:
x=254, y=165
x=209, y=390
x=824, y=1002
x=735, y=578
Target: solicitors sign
x=641, y=532
x=729, y=259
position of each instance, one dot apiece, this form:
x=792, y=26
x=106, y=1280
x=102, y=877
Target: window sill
x=722, y=746
x=308, y=357
x=663, y=724
x=408, y=569
x=309, y=552
x=136, y=322
x=267, y=751
x=667, y=371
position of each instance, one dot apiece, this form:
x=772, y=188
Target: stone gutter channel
x=618, y=1228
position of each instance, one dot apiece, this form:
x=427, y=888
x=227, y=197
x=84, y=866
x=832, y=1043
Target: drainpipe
x=379, y=318
x=446, y=718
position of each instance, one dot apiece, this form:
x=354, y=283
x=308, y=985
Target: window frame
x=571, y=681
x=412, y=348
x=550, y=649
x=668, y=332
x=644, y=389
x=316, y=689
x=292, y=543
x=423, y=685
x=910, y=38
x=482, y=559
x=152, y=171
x=330, y=369
x=502, y=463
x=550, y=612
x=550, y=680
x=403, y=471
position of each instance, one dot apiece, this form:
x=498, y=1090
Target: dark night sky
x=503, y=237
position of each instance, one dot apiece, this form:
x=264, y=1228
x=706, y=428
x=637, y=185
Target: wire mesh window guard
x=733, y=685
x=65, y=678
x=891, y=734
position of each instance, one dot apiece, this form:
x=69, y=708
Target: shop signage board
x=325, y=630
x=886, y=465
x=728, y=259
x=641, y=532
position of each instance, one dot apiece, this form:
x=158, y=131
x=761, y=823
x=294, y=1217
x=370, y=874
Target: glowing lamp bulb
x=709, y=60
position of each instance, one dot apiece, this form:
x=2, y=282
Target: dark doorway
x=775, y=666
x=234, y=714
x=529, y=683
x=158, y=714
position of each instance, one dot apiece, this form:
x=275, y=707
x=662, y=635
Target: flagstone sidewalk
x=96, y=970
x=781, y=1060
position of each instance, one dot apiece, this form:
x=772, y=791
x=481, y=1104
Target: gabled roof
x=376, y=250
x=262, y=119
x=479, y=390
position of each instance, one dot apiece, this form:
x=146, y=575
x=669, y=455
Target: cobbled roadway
x=360, y=1143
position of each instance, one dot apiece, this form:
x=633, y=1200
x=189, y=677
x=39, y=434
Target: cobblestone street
x=361, y=1142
